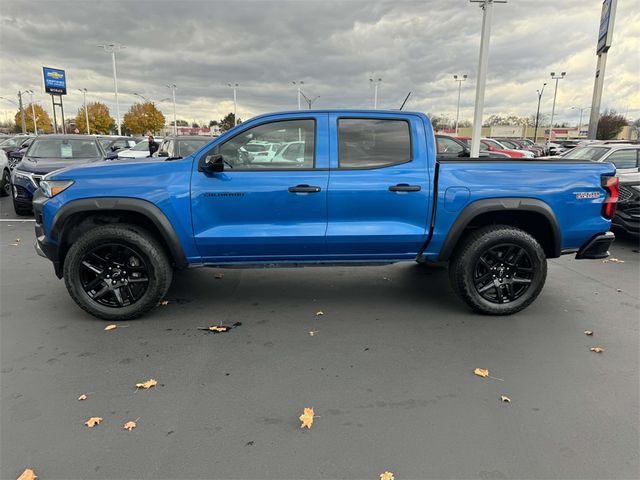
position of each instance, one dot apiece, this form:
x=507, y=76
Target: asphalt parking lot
x=389, y=372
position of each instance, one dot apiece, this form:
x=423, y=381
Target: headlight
x=21, y=174
x=51, y=188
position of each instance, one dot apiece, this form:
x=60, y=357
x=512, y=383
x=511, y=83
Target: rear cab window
x=365, y=143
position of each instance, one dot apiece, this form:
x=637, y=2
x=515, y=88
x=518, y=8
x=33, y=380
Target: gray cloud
x=334, y=46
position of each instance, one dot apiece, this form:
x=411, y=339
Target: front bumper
x=44, y=247
x=597, y=247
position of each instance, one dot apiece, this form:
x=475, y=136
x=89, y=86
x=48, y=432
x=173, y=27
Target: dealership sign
x=606, y=26
x=55, y=81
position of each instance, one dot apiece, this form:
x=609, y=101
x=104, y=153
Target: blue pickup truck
x=346, y=187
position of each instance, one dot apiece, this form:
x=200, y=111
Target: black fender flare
x=107, y=204
x=513, y=204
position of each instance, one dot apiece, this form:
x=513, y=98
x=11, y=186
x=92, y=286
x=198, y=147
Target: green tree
x=100, y=122
x=213, y=123
x=43, y=121
x=610, y=125
x=228, y=122
x=142, y=118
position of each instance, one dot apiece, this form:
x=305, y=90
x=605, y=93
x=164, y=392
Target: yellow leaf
x=597, y=349
x=218, y=276
x=93, y=421
x=110, y=327
x=481, y=372
x=307, y=418
x=312, y=333
x=387, y=476
x=588, y=332
x=148, y=384
x=82, y=397
x=319, y=313
x=505, y=398
x=164, y=302
x=130, y=425
x=215, y=328
x=28, y=474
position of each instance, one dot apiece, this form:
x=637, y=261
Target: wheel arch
x=79, y=216
x=529, y=214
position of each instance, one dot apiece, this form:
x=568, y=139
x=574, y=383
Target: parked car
x=115, y=144
x=181, y=146
x=491, y=146
x=140, y=150
x=623, y=156
x=46, y=154
x=5, y=175
x=518, y=145
x=14, y=143
x=369, y=190
x=16, y=154
x=627, y=215
x=451, y=147
x=541, y=149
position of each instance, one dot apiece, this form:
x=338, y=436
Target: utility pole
x=459, y=80
x=605, y=36
x=235, y=102
x=24, y=124
x=580, y=121
x=553, y=108
x=33, y=112
x=483, y=63
x=173, y=87
x=539, y=92
x=112, y=48
x=375, y=83
x=299, y=85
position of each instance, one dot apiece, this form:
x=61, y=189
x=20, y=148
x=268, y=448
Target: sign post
x=55, y=83
x=605, y=36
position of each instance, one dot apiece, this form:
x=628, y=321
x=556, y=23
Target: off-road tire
x=467, y=255
x=160, y=272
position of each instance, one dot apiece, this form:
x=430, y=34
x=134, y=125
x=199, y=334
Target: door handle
x=304, y=189
x=405, y=187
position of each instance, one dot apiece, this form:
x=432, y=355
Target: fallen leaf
x=219, y=276
x=612, y=260
x=481, y=372
x=588, y=332
x=82, y=397
x=148, y=384
x=130, y=425
x=164, y=302
x=505, y=398
x=307, y=418
x=93, y=421
x=319, y=313
x=110, y=327
x=15, y=244
x=597, y=349
x=218, y=329
x=28, y=474
x=387, y=476
x=312, y=333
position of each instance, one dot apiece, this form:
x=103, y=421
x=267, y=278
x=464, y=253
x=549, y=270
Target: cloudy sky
x=333, y=46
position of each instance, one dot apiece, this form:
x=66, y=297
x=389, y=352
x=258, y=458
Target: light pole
x=580, y=121
x=84, y=103
x=33, y=111
x=553, y=108
x=235, y=102
x=375, y=82
x=173, y=87
x=539, y=92
x=483, y=62
x=112, y=48
x=309, y=100
x=24, y=125
x=459, y=80
x=299, y=85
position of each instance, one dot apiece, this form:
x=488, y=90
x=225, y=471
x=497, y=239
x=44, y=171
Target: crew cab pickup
x=344, y=188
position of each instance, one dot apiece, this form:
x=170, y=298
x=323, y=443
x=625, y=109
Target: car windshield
x=509, y=143
x=64, y=148
x=587, y=153
x=142, y=146
x=187, y=147
x=14, y=141
x=494, y=144
x=105, y=142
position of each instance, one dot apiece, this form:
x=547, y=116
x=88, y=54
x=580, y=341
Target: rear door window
x=373, y=143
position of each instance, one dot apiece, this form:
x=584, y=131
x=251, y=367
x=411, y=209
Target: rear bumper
x=597, y=247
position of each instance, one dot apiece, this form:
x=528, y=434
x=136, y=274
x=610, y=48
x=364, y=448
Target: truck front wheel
x=117, y=272
x=498, y=270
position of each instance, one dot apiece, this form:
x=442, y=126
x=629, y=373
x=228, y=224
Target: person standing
x=153, y=146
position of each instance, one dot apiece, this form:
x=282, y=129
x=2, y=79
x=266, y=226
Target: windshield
x=494, y=144
x=14, y=142
x=187, y=147
x=64, y=148
x=587, y=153
x=142, y=146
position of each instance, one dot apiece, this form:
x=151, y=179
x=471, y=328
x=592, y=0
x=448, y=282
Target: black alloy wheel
x=503, y=273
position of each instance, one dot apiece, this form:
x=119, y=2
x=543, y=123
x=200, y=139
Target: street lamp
x=173, y=87
x=299, y=85
x=235, y=102
x=84, y=103
x=145, y=99
x=553, y=108
x=33, y=111
x=580, y=121
x=112, y=48
x=309, y=100
x=539, y=92
x=459, y=80
x=375, y=82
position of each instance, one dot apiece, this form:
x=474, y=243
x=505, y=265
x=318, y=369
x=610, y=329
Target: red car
x=488, y=145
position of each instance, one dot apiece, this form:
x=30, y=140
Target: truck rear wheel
x=498, y=270
x=117, y=272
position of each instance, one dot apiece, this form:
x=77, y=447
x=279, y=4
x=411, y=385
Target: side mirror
x=163, y=154
x=211, y=164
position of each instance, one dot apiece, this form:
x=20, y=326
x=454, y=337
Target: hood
x=46, y=165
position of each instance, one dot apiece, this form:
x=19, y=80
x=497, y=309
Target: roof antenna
x=405, y=100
